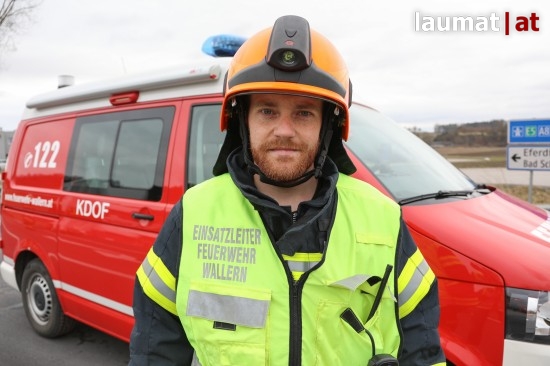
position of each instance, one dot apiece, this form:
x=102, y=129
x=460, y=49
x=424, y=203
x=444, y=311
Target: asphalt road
x=21, y=346
x=505, y=176
x=490, y=176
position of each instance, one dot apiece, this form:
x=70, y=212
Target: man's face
x=284, y=134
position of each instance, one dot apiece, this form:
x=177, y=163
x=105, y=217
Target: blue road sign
x=535, y=131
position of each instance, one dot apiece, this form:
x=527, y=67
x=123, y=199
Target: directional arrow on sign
x=515, y=157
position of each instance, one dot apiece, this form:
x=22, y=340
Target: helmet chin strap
x=325, y=137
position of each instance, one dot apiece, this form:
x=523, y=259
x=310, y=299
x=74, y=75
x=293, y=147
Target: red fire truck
x=94, y=169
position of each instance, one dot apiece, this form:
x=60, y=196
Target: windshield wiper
x=444, y=194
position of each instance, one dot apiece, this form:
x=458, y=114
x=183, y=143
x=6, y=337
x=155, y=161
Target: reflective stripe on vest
x=299, y=263
x=157, y=282
x=228, y=309
x=233, y=295
x=414, y=283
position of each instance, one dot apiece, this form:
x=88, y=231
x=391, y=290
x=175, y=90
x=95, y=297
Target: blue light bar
x=223, y=45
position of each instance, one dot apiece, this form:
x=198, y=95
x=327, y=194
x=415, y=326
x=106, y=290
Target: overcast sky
x=417, y=78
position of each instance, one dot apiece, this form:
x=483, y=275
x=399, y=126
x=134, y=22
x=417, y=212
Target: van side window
x=136, y=154
x=120, y=154
x=205, y=142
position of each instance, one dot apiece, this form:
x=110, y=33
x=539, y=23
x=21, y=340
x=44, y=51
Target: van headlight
x=528, y=315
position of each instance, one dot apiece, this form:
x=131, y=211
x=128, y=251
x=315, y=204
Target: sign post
x=528, y=147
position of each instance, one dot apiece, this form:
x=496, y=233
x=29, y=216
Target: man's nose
x=285, y=126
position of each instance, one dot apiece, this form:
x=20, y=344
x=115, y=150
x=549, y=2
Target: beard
x=284, y=168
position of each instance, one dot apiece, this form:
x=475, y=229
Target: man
x=282, y=258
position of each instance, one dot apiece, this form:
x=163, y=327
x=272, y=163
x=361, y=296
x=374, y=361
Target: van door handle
x=140, y=216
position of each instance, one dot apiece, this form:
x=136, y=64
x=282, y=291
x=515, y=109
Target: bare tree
x=15, y=15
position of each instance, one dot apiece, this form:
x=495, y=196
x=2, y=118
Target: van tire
x=41, y=304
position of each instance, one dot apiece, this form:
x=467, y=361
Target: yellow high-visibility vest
x=234, y=292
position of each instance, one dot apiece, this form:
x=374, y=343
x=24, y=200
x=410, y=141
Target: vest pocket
x=342, y=326
x=228, y=324
x=338, y=342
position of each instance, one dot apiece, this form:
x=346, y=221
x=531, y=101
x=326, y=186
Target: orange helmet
x=289, y=58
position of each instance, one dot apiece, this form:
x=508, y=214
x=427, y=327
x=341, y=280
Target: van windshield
x=402, y=162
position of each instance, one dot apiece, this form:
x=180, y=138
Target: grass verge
x=539, y=195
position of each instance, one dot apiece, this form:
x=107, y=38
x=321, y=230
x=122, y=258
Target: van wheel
x=41, y=303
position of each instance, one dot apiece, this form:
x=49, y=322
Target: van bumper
x=525, y=353
x=7, y=271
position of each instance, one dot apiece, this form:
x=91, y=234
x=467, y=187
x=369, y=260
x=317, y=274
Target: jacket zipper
x=295, y=345
x=295, y=338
